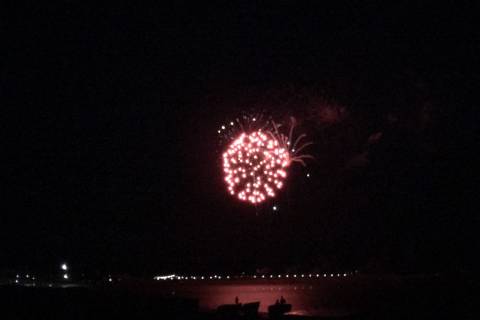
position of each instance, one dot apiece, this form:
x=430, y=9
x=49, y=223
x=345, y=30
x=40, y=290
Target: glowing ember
x=255, y=166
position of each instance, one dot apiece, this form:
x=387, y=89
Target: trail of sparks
x=255, y=166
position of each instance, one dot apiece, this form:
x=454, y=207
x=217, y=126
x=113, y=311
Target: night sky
x=111, y=157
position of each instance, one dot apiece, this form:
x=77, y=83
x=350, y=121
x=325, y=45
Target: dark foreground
x=405, y=299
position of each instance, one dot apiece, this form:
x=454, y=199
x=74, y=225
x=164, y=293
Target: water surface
x=322, y=296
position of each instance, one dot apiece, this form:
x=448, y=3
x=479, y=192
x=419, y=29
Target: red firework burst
x=255, y=166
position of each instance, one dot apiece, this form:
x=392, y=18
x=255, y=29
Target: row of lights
x=175, y=277
x=63, y=267
x=271, y=276
x=317, y=275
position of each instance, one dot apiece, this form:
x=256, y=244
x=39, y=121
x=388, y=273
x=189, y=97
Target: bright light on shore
x=170, y=276
x=64, y=267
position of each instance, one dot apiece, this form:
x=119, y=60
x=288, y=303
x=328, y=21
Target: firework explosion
x=254, y=166
x=258, y=155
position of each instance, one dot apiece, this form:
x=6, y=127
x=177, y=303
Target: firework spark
x=255, y=166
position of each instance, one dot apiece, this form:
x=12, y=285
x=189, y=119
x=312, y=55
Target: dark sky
x=111, y=157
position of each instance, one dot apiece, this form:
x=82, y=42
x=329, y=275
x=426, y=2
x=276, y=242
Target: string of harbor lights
x=246, y=277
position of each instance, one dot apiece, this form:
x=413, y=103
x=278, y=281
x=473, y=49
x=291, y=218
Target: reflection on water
x=309, y=297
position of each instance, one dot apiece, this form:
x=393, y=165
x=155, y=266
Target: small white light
x=254, y=119
x=231, y=123
x=17, y=276
x=223, y=127
x=275, y=208
x=109, y=279
x=27, y=276
x=64, y=267
x=65, y=276
x=308, y=175
x=16, y=280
